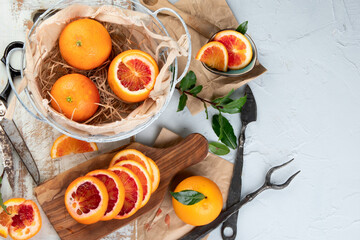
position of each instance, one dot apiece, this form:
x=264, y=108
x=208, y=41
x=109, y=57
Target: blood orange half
x=132, y=154
x=132, y=75
x=214, y=55
x=24, y=220
x=133, y=191
x=143, y=176
x=238, y=47
x=115, y=190
x=86, y=199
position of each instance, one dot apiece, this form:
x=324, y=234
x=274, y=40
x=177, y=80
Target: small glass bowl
x=240, y=72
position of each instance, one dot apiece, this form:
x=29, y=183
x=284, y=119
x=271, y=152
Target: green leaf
x=196, y=90
x=234, y=106
x=206, y=111
x=224, y=99
x=188, y=81
x=242, y=28
x=2, y=201
x=182, y=102
x=223, y=128
x=218, y=148
x=188, y=197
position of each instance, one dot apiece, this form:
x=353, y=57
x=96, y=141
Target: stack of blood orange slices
x=115, y=193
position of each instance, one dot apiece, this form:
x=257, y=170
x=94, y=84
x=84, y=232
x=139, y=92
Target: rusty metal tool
x=202, y=231
x=9, y=133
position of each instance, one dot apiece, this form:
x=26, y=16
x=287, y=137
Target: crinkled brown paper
x=162, y=223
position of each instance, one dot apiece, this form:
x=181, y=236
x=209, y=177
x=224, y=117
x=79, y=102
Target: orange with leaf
x=197, y=200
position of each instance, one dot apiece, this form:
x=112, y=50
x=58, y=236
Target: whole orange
x=206, y=210
x=85, y=44
x=76, y=96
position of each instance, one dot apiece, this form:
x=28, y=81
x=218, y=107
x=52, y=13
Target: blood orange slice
x=24, y=220
x=214, y=55
x=156, y=175
x=143, y=176
x=65, y=145
x=115, y=190
x=238, y=47
x=132, y=154
x=133, y=191
x=132, y=75
x=86, y=199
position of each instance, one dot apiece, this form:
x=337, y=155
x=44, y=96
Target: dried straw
x=111, y=108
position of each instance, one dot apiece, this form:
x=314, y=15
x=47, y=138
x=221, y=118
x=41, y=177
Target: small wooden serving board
x=170, y=161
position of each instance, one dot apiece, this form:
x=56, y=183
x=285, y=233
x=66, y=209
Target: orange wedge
x=65, y=145
x=238, y=47
x=214, y=55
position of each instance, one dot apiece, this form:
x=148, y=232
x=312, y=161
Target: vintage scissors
x=202, y=231
x=9, y=133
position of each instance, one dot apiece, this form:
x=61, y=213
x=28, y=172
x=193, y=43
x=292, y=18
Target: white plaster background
x=307, y=108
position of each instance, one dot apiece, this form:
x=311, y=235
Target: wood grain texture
x=50, y=194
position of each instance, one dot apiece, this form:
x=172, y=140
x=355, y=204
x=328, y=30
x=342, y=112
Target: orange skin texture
x=206, y=210
x=121, y=194
x=85, y=44
x=97, y=213
x=156, y=175
x=126, y=96
x=76, y=96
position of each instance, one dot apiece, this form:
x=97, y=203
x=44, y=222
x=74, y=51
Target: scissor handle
x=4, y=95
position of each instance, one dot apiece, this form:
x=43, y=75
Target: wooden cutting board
x=170, y=161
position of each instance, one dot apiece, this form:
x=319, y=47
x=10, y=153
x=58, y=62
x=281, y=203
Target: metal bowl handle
x=188, y=37
x=11, y=82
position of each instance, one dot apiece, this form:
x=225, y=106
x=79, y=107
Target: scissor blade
x=21, y=148
x=6, y=154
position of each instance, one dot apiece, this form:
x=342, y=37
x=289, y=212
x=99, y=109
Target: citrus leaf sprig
x=1, y=199
x=220, y=124
x=188, y=197
x=242, y=28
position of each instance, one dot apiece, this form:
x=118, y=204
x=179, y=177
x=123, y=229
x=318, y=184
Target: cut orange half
x=115, y=190
x=214, y=55
x=65, y=145
x=133, y=191
x=238, y=47
x=132, y=154
x=86, y=199
x=156, y=175
x=143, y=176
x=132, y=75
x=24, y=220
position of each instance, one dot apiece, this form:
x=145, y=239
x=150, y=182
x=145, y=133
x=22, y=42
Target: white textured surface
x=307, y=108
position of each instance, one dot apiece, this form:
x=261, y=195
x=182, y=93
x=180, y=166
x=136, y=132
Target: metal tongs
x=202, y=231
